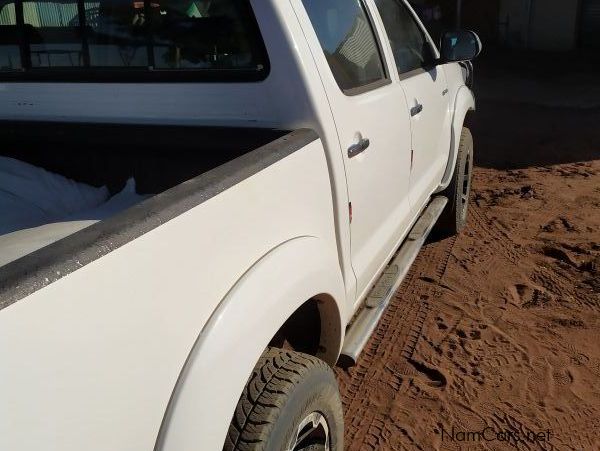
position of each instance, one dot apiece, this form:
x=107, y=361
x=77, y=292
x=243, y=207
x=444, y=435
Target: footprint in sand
x=595, y=366
x=414, y=370
x=562, y=377
x=539, y=379
x=435, y=378
x=527, y=295
x=578, y=358
x=560, y=255
x=562, y=374
x=559, y=224
x=473, y=334
x=441, y=325
x=428, y=374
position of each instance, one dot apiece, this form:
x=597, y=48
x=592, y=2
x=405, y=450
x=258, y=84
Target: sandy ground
x=493, y=340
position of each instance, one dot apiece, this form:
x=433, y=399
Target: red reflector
x=350, y=210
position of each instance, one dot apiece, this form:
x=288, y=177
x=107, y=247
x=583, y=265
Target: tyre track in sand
x=498, y=327
x=385, y=364
x=407, y=372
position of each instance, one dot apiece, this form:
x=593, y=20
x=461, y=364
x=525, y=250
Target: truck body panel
x=378, y=178
x=233, y=340
x=136, y=316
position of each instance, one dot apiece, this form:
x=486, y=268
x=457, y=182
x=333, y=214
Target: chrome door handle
x=359, y=147
x=416, y=109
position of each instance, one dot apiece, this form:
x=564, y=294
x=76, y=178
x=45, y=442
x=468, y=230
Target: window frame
x=372, y=86
x=433, y=48
x=353, y=92
x=386, y=80
x=137, y=74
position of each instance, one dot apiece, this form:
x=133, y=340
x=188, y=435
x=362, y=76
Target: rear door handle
x=416, y=109
x=358, y=148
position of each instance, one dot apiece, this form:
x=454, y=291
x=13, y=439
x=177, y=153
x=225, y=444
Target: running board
x=358, y=333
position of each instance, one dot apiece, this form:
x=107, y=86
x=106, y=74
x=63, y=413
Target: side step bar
x=378, y=299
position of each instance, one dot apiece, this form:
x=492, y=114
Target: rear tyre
x=290, y=403
x=454, y=216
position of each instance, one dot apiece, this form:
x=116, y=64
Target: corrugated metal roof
x=50, y=14
x=8, y=15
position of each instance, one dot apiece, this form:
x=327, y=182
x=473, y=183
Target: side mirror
x=461, y=45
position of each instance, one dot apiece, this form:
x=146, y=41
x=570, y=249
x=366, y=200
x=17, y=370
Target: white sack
x=31, y=196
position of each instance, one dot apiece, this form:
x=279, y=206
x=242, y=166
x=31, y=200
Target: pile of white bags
x=38, y=207
x=31, y=196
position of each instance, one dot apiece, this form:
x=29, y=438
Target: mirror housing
x=460, y=45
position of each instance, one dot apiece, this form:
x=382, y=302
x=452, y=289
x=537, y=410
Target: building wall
x=554, y=24
x=548, y=25
x=482, y=17
x=513, y=23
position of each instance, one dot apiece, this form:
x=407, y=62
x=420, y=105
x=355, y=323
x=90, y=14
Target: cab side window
x=347, y=38
x=410, y=47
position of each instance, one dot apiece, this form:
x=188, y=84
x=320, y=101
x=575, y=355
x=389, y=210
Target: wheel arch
x=464, y=104
x=301, y=271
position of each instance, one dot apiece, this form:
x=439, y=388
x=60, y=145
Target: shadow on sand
x=536, y=110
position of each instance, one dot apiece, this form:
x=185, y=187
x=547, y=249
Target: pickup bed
x=290, y=158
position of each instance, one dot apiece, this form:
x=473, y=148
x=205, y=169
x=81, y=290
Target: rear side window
x=409, y=45
x=347, y=38
x=216, y=37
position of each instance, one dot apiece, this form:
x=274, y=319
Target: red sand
x=497, y=331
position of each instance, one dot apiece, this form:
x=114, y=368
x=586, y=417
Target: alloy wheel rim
x=312, y=433
x=466, y=187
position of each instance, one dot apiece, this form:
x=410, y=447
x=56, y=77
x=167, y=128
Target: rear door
x=427, y=97
x=373, y=126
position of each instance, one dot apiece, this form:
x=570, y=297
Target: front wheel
x=291, y=403
x=454, y=216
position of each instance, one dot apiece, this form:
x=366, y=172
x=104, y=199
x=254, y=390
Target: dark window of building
x=347, y=38
x=216, y=36
x=409, y=45
x=590, y=24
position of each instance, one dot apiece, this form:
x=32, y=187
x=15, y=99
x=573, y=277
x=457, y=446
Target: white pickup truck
x=290, y=158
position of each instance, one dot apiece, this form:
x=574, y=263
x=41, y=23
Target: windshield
x=201, y=36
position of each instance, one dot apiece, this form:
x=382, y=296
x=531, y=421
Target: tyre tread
x=275, y=375
x=449, y=223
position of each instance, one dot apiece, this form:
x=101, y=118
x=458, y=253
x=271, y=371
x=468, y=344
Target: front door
x=373, y=126
x=427, y=97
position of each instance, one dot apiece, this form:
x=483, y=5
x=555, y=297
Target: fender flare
x=238, y=331
x=463, y=103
